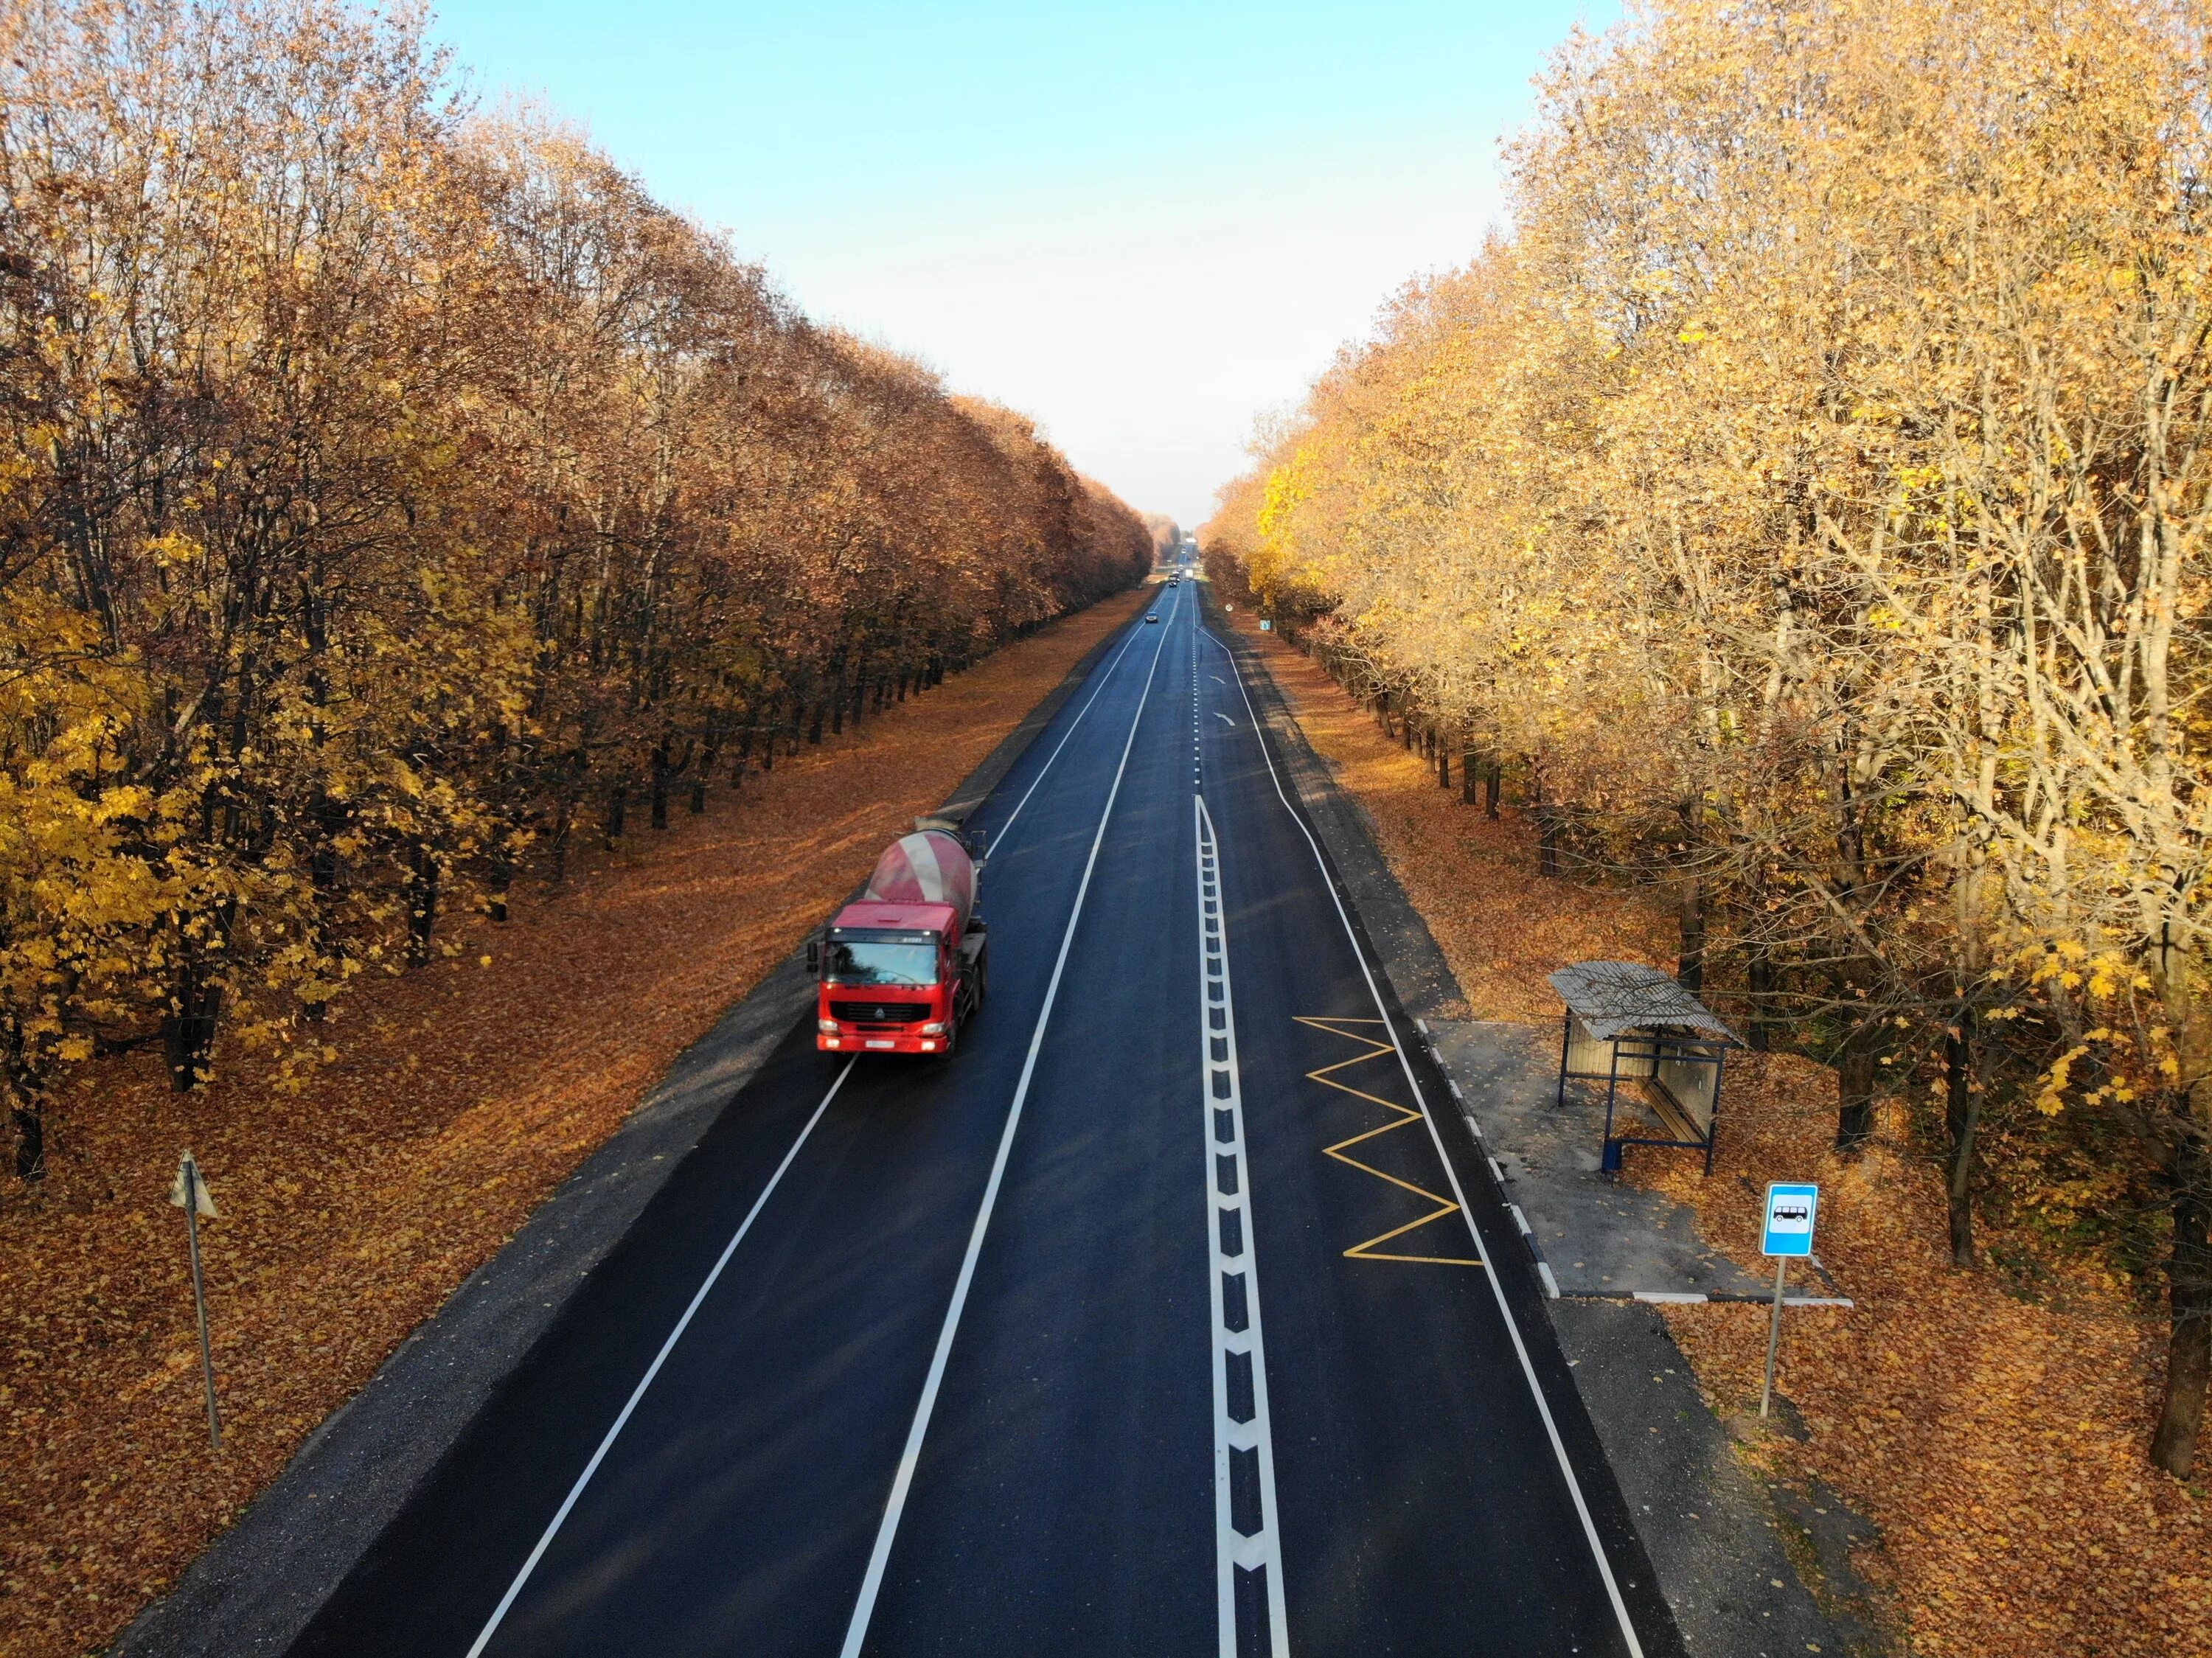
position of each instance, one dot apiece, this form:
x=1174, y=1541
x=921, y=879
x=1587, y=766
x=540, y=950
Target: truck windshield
x=862, y=961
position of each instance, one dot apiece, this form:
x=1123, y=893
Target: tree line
x=392, y=493
x=1802, y=508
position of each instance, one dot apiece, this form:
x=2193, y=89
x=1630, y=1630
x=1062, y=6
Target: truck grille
x=879, y=1012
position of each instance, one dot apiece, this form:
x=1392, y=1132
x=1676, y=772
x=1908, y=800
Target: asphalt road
x=1160, y=1319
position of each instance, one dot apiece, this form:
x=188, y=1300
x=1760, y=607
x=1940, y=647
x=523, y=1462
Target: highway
x=1176, y=1314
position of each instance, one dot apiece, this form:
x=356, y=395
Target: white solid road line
x=1451, y=1172
x=856, y=1632
x=999, y=836
x=1248, y=1537
x=507, y=1600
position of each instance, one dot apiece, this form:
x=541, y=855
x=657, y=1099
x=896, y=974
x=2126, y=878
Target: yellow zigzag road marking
x=1402, y=1115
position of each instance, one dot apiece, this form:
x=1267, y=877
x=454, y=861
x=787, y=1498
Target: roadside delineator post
x=1790, y=1209
x=189, y=1193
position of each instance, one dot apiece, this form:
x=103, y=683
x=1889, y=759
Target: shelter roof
x=1612, y=997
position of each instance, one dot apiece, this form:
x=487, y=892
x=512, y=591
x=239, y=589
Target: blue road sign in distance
x=1789, y=1212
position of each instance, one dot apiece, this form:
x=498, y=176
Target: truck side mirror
x=814, y=956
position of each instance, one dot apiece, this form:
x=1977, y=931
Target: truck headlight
x=934, y=1028
x=827, y=1026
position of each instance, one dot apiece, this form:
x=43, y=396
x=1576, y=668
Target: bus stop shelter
x=1626, y=1022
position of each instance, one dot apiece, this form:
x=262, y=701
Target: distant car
x=1154, y=616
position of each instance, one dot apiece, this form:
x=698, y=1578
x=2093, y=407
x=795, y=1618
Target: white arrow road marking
x=1224, y=719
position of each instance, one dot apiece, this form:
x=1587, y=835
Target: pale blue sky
x=1143, y=224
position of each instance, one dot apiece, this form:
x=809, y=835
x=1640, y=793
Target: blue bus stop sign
x=1789, y=1212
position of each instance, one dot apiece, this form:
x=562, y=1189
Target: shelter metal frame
x=1626, y=1021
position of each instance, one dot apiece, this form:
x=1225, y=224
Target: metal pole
x=1773, y=1333
x=199, y=1299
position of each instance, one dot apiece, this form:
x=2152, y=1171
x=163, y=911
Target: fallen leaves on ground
x=464, y=1094
x=1996, y=1441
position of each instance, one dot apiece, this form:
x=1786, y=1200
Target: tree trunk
x=660, y=787
x=1468, y=767
x=1443, y=751
x=1490, y=784
x=421, y=905
x=1547, y=828
x=1759, y=972
x=814, y=730
x=1690, y=963
x=617, y=813
x=25, y=1105
x=323, y=876
x=1855, y=1077
x=559, y=838
x=188, y=1027
x=1548, y=840
x=29, y=1117
x=705, y=774
x=502, y=879
x=1962, y=1110
x=2189, y=1286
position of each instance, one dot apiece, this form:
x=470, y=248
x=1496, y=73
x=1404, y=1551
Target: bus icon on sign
x=1789, y=1213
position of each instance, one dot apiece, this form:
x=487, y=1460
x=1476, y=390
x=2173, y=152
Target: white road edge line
x=856, y=1631
x=576, y=1490
x=1497, y=1288
x=1262, y=1550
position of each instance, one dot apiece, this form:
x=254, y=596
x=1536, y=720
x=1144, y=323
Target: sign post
x=190, y=1194
x=1790, y=1209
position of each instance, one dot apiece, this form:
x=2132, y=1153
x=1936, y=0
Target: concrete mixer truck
x=902, y=968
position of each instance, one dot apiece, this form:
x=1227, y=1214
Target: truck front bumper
x=876, y=1042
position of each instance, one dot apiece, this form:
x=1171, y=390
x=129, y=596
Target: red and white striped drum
x=926, y=867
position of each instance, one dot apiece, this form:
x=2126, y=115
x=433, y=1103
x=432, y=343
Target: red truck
x=902, y=968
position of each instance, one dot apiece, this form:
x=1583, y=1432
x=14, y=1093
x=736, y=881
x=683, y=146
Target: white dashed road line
x=1249, y=1550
